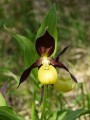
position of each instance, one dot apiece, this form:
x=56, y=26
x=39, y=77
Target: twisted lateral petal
x=27, y=71
x=45, y=45
x=60, y=65
x=61, y=53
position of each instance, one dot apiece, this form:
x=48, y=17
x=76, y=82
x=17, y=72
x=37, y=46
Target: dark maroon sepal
x=27, y=71
x=61, y=53
x=60, y=65
x=45, y=44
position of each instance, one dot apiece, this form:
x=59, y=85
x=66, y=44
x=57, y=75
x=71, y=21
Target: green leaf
x=8, y=73
x=34, y=112
x=2, y=100
x=7, y=113
x=68, y=114
x=88, y=99
x=28, y=50
x=49, y=23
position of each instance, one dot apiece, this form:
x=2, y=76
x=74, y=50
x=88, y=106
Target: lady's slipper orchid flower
x=47, y=73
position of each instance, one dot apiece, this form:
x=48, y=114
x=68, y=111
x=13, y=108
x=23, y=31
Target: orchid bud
x=65, y=85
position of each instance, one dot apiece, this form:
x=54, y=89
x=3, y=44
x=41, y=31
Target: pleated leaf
x=7, y=113
x=68, y=114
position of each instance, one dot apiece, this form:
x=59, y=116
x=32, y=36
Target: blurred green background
x=73, y=24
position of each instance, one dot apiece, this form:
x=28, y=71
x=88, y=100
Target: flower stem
x=44, y=102
x=33, y=107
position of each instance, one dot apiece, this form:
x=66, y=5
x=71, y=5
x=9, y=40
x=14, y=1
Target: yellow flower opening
x=65, y=85
x=47, y=74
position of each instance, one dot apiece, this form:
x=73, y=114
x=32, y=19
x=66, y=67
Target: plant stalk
x=44, y=103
